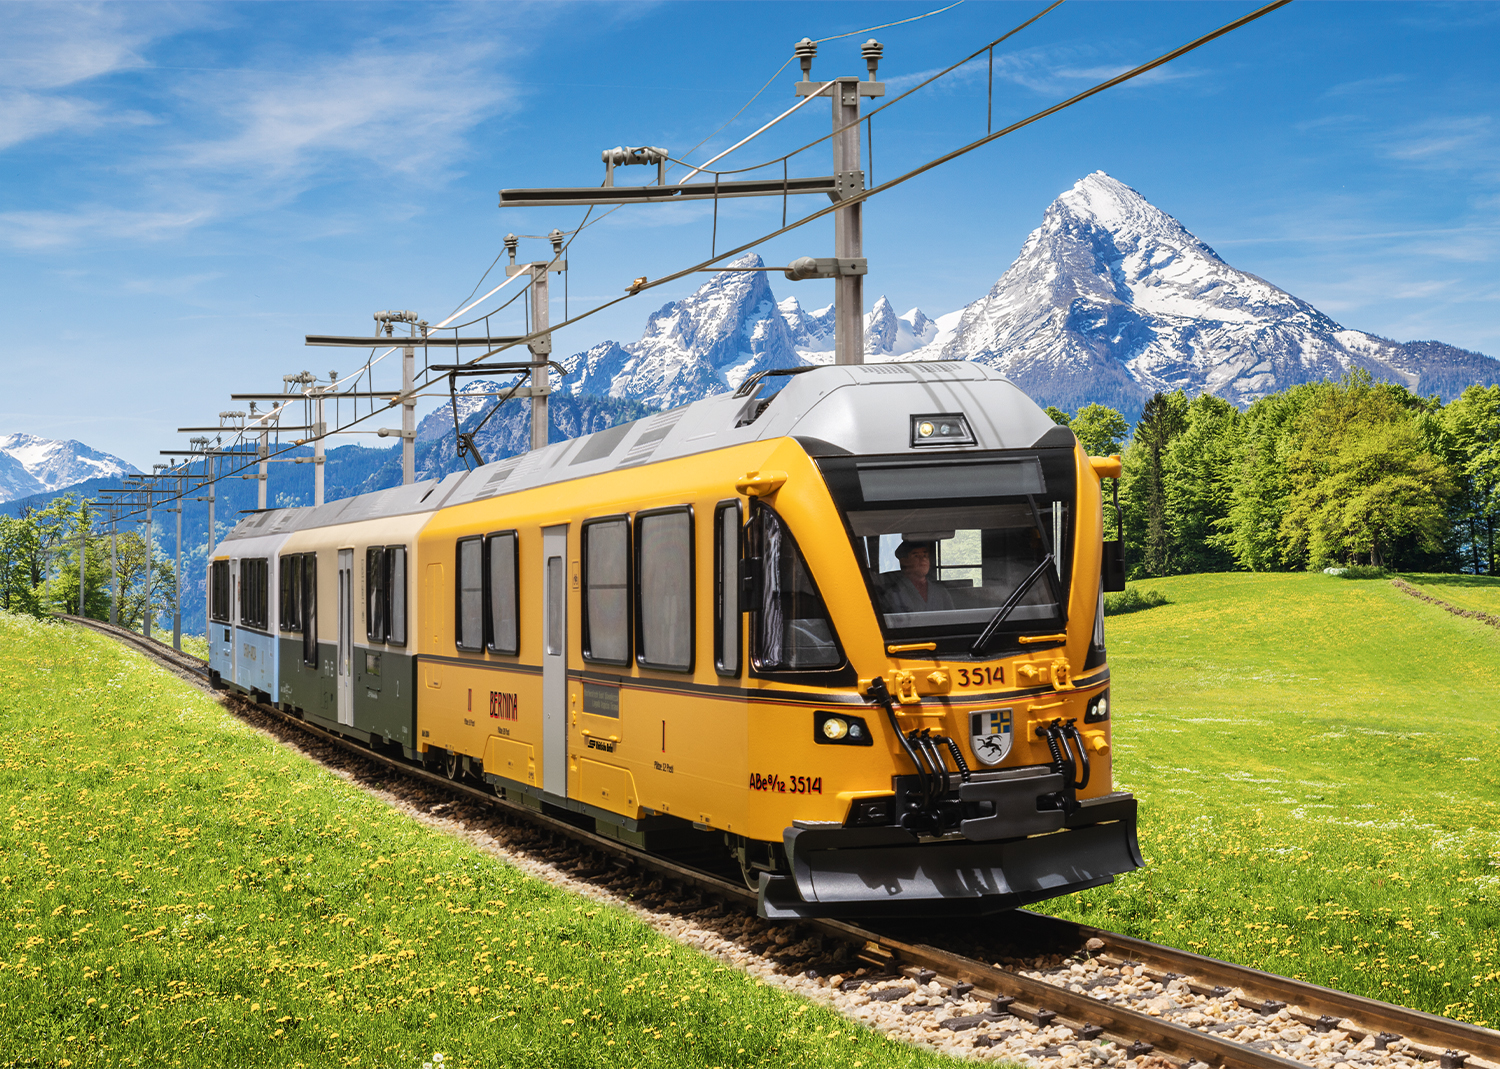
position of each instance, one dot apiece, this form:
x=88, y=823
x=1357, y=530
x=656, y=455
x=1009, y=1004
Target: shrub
x=1132, y=599
x=1363, y=571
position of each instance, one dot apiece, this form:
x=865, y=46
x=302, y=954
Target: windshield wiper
x=1010, y=604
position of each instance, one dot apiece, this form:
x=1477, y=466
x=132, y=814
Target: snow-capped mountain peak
x=32, y=465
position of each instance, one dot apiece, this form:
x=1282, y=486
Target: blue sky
x=188, y=189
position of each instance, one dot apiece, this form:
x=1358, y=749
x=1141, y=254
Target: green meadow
x=180, y=890
x=1318, y=765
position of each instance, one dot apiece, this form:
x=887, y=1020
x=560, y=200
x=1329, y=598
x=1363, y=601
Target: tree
x=1198, y=475
x=1473, y=425
x=1101, y=430
x=1056, y=415
x=1162, y=419
x=1363, y=477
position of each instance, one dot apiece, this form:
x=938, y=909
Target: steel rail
x=1451, y=1044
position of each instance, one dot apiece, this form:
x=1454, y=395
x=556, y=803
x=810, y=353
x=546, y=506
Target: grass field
x=180, y=890
x=1318, y=763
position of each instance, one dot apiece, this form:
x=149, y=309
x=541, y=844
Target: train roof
x=821, y=408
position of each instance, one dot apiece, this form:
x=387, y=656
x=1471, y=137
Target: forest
x=1348, y=473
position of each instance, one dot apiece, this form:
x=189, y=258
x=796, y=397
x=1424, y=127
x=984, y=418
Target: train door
x=346, y=637
x=555, y=661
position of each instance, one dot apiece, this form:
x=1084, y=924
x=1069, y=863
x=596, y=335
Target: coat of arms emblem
x=990, y=735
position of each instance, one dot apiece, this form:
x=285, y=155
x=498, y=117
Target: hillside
x=1316, y=800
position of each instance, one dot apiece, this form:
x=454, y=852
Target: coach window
x=375, y=594
x=220, y=582
x=291, y=592
x=727, y=551
x=470, y=635
x=664, y=597
x=791, y=628
x=606, y=591
x=395, y=586
x=310, y=608
x=505, y=631
x=253, y=593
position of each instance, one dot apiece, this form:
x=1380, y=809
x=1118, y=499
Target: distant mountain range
x=31, y=465
x=1110, y=300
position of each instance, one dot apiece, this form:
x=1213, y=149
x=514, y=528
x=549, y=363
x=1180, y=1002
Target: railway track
x=1030, y=987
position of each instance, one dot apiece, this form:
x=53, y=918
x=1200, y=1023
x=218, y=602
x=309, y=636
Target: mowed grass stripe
x=1479, y=593
x=1318, y=765
x=181, y=890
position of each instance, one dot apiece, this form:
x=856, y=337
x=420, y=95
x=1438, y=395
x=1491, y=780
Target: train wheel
x=450, y=765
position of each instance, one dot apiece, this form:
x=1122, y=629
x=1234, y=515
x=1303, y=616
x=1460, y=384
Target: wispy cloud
x=51, y=229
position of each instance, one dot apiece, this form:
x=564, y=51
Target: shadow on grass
x=1474, y=582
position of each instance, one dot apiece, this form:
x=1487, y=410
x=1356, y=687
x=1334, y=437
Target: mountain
x=31, y=465
x=731, y=327
x=1112, y=299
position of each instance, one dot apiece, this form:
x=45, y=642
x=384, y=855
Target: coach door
x=555, y=661
x=346, y=637
x=234, y=620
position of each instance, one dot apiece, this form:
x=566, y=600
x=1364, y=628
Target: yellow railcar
x=850, y=634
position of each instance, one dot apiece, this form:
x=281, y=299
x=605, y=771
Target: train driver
x=910, y=589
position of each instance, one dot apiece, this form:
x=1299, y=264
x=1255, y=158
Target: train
x=841, y=628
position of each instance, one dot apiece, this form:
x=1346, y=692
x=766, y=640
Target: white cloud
x=51, y=229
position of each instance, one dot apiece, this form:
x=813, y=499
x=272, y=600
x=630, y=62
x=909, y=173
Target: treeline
x=1330, y=473
x=39, y=566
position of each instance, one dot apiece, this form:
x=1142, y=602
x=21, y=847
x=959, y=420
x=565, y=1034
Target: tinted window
x=395, y=566
x=606, y=581
x=254, y=594
x=505, y=634
x=220, y=580
x=291, y=592
x=554, y=606
x=375, y=594
x=310, y=608
x=664, y=547
x=470, y=594
x=727, y=589
x=792, y=629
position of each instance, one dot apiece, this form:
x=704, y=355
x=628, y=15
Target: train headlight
x=840, y=729
x=1097, y=711
x=941, y=428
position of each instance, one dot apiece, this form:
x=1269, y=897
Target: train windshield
x=945, y=545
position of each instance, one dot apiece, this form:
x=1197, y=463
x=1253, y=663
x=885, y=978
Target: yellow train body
x=716, y=746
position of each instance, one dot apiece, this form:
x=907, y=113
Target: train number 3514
x=790, y=785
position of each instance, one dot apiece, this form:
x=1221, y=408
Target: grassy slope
x=179, y=890
x=1477, y=592
x=1318, y=762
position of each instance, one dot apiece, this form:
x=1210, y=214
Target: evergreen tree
x=1162, y=419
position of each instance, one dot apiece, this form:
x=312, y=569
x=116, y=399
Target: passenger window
x=664, y=564
x=470, y=620
x=395, y=567
x=505, y=633
x=375, y=594
x=253, y=593
x=727, y=552
x=291, y=592
x=220, y=580
x=310, y=608
x=791, y=630
x=606, y=590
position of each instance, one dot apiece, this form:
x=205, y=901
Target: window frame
x=458, y=595
x=390, y=591
x=377, y=594
x=310, y=608
x=791, y=672
x=289, y=582
x=489, y=589
x=637, y=615
x=629, y=585
x=720, y=661
x=222, y=592
x=255, y=596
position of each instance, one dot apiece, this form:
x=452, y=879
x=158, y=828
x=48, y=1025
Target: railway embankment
x=179, y=888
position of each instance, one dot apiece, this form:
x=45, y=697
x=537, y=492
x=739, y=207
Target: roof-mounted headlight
x=941, y=429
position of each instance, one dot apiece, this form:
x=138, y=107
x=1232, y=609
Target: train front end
x=945, y=544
